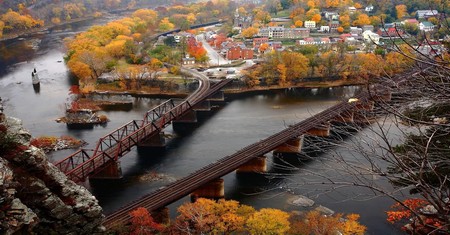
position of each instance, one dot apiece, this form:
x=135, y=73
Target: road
x=214, y=57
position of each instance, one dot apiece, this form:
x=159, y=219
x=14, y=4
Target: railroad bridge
x=206, y=182
x=103, y=161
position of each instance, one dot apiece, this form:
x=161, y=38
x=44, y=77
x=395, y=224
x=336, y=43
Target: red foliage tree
x=142, y=223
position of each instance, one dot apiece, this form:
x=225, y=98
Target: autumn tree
x=2, y=25
x=401, y=11
x=268, y=221
x=249, y=32
x=316, y=223
x=362, y=19
x=142, y=222
x=165, y=25
x=13, y=21
x=208, y=216
x=298, y=23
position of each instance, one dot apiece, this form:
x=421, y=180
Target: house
x=334, y=24
x=257, y=42
x=237, y=52
x=355, y=31
x=371, y=37
x=314, y=41
x=352, y=9
x=431, y=48
x=325, y=29
x=426, y=26
x=391, y=32
x=271, y=32
x=310, y=24
x=369, y=8
x=421, y=14
x=367, y=27
x=282, y=32
x=410, y=21
x=188, y=60
x=276, y=45
x=296, y=33
x=331, y=15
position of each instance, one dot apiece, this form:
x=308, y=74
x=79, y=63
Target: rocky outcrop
x=35, y=197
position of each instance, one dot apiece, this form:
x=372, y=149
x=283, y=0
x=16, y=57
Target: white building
x=426, y=26
x=371, y=37
x=426, y=13
x=310, y=24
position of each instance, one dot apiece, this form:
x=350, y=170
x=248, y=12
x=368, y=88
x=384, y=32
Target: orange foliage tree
x=316, y=223
x=142, y=223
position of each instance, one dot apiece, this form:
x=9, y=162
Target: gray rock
x=301, y=201
x=324, y=210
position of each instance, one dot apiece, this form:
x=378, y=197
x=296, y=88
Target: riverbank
x=43, y=30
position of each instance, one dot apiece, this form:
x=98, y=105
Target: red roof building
x=239, y=53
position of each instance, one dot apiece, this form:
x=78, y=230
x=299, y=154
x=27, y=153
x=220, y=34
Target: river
x=240, y=122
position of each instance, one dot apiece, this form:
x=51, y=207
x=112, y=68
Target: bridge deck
x=188, y=184
x=116, y=144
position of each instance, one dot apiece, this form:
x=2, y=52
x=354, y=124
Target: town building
x=421, y=14
x=310, y=24
x=426, y=26
x=296, y=33
x=257, y=42
x=239, y=52
x=371, y=37
x=367, y=27
x=282, y=32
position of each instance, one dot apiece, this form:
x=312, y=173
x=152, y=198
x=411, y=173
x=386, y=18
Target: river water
x=241, y=121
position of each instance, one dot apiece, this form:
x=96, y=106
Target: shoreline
x=235, y=91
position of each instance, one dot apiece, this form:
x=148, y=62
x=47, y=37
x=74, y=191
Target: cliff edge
x=35, y=197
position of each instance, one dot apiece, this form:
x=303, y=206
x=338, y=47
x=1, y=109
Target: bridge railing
x=114, y=145
x=156, y=112
x=117, y=135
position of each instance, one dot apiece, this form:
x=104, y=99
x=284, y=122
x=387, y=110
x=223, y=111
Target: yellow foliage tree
x=340, y=29
x=249, y=32
x=2, y=25
x=401, y=11
x=268, y=221
x=362, y=19
x=147, y=15
x=345, y=21
x=165, y=25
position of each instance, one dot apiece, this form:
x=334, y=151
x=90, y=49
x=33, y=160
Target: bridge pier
x=111, y=170
x=202, y=106
x=212, y=190
x=217, y=98
x=155, y=142
x=320, y=131
x=185, y=123
x=255, y=165
x=291, y=146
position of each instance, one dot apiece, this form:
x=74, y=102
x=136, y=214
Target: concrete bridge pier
x=322, y=130
x=217, y=98
x=212, y=190
x=111, y=170
x=202, y=106
x=255, y=165
x=293, y=146
x=155, y=142
x=185, y=123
